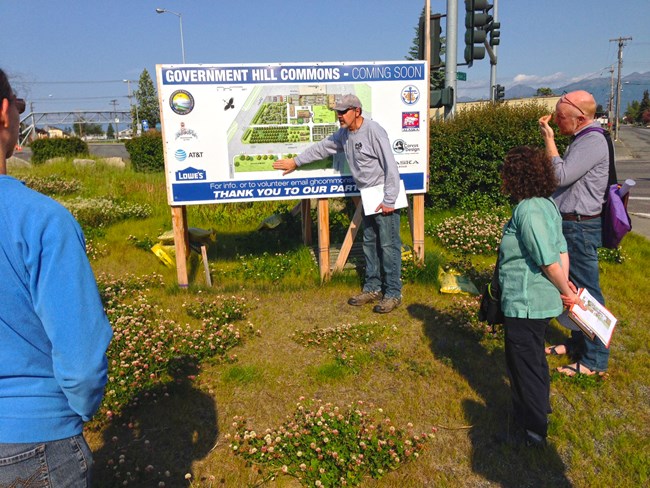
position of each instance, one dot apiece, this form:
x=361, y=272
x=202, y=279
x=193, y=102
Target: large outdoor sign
x=225, y=125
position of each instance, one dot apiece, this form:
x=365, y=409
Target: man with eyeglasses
x=370, y=156
x=583, y=173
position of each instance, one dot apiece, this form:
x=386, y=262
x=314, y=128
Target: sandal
x=577, y=368
x=553, y=350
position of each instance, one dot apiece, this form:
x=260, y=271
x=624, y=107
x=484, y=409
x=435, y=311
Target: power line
x=76, y=98
x=72, y=82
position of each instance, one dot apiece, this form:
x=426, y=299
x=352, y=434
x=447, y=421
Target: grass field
x=427, y=366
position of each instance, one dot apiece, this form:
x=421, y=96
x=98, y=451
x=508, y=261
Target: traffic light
x=435, y=33
x=476, y=21
x=495, y=33
x=442, y=98
x=499, y=92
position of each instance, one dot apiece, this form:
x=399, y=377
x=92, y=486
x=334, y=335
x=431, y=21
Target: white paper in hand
x=374, y=195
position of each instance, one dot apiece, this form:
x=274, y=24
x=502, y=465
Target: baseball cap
x=348, y=101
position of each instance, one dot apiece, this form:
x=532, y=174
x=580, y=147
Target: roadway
x=633, y=161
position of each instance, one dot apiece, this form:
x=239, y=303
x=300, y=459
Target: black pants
x=528, y=370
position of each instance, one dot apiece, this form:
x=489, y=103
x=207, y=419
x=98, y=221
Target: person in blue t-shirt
x=533, y=276
x=53, y=330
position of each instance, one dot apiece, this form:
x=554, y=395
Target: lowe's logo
x=190, y=174
x=180, y=155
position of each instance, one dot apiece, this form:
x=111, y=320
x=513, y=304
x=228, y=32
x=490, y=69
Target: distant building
x=54, y=132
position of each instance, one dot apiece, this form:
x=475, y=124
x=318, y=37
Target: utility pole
x=621, y=43
x=451, y=50
x=117, y=129
x=610, y=105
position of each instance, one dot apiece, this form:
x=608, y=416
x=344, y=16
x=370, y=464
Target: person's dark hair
x=527, y=172
x=5, y=87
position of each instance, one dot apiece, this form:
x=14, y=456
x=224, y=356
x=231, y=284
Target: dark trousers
x=528, y=371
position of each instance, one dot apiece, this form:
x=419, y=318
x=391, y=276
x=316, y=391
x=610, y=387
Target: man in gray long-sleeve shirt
x=369, y=154
x=583, y=173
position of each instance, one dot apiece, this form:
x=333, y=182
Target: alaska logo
x=190, y=174
x=410, y=121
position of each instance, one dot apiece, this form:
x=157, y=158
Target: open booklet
x=374, y=195
x=596, y=321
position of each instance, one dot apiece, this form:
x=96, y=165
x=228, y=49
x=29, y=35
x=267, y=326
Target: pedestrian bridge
x=29, y=122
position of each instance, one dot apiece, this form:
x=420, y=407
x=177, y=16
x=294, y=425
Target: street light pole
x=137, y=118
x=180, y=21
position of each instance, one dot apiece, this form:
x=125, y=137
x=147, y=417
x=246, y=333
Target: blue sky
x=96, y=44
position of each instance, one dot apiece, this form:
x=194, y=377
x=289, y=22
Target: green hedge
x=466, y=153
x=146, y=152
x=44, y=149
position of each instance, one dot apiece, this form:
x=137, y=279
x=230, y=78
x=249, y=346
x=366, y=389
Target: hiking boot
x=365, y=297
x=387, y=304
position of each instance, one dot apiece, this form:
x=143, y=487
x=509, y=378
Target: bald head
x=582, y=101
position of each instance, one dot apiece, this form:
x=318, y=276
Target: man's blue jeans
x=583, y=240
x=66, y=462
x=382, y=248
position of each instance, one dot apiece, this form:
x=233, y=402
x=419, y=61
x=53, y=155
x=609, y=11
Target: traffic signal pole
x=492, y=52
x=451, y=50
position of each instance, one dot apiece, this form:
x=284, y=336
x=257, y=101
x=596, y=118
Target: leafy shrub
x=146, y=152
x=52, y=184
x=99, y=212
x=466, y=153
x=471, y=233
x=58, y=147
x=146, y=345
x=326, y=446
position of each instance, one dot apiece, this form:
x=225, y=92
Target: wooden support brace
x=324, y=239
x=206, y=265
x=350, y=236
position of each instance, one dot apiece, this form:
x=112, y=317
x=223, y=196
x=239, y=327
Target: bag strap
x=612, y=179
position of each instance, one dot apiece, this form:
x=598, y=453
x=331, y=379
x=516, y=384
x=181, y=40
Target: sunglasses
x=564, y=99
x=343, y=112
x=19, y=102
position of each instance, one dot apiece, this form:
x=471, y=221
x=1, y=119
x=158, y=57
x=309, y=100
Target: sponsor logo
x=358, y=146
x=190, y=174
x=401, y=147
x=410, y=94
x=407, y=162
x=410, y=121
x=181, y=102
x=180, y=155
x=186, y=134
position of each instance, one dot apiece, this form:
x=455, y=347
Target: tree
x=147, y=100
x=544, y=92
x=644, y=106
x=437, y=75
x=645, y=117
x=110, y=132
x=632, y=113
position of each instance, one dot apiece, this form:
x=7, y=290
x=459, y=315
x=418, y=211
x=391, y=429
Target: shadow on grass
x=485, y=372
x=158, y=439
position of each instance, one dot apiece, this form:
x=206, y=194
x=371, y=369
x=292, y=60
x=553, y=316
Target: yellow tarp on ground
x=453, y=282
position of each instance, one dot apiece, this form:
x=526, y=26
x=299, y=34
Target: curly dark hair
x=527, y=172
x=5, y=87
